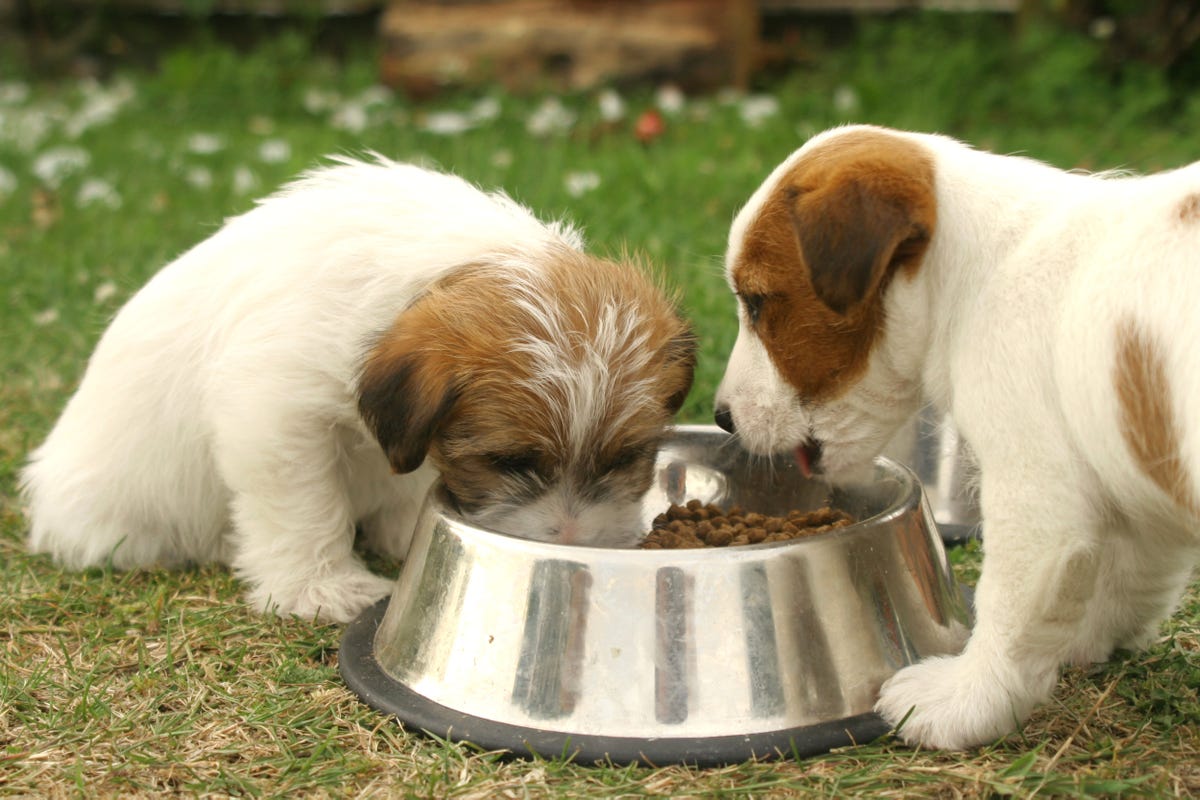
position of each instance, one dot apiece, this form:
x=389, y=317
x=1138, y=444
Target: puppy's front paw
x=337, y=597
x=948, y=704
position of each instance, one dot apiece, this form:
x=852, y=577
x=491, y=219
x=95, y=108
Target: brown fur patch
x=451, y=378
x=1148, y=422
x=1189, y=209
x=837, y=228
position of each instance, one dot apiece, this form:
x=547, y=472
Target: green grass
x=142, y=683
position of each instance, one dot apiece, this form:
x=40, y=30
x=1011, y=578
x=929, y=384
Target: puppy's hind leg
x=1146, y=565
x=1039, y=574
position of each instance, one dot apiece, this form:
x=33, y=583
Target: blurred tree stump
x=566, y=45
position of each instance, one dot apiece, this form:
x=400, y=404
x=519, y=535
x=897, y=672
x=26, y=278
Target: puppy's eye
x=754, y=306
x=517, y=463
x=628, y=457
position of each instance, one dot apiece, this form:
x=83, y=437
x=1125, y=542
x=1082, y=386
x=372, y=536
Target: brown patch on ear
x=839, y=226
x=1148, y=423
x=1189, y=209
x=406, y=391
x=852, y=236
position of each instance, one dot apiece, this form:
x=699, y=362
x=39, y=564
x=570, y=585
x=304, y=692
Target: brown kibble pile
x=699, y=525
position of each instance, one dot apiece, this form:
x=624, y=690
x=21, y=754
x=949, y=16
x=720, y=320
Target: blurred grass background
x=146, y=683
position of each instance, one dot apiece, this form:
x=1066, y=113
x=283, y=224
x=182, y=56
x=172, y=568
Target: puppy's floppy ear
x=405, y=394
x=679, y=357
x=852, y=235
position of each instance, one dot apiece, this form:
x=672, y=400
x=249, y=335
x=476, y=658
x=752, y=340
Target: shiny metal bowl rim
x=907, y=500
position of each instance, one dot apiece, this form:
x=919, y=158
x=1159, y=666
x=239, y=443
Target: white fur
x=217, y=418
x=1009, y=324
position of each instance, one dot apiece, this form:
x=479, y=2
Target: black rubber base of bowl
x=363, y=675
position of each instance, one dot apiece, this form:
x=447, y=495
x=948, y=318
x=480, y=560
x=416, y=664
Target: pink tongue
x=803, y=460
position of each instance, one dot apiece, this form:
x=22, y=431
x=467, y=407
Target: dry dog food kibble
x=699, y=525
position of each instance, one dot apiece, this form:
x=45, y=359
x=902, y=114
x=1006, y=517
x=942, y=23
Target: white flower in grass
x=612, y=105
x=502, y=159
x=670, y=99
x=446, y=123
x=13, y=93
x=274, y=151
x=485, y=109
x=757, y=108
x=8, y=183
x=354, y=115
x=244, y=180
x=203, y=144
x=580, y=183
x=100, y=105
x=54, y=165
x=26, y=128
x=199, y=177
x=104, y=292
x=550, y=117
x=453, y=123
x=47, y=317
x=845, y=100
x=97, y=192
x=350, y=117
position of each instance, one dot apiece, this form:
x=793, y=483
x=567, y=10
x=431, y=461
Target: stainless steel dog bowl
x=665, y=656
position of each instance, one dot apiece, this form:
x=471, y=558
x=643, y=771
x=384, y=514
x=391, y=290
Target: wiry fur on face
x=539, y=390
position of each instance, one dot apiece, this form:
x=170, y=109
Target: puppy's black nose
x=724, y=418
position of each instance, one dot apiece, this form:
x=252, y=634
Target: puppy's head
x=540, y=387
x=813, y=258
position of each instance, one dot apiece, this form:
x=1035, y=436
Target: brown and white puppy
x=1053, y=314
x=317, y=362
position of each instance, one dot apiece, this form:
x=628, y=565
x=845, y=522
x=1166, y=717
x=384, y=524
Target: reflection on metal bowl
x=665, y=656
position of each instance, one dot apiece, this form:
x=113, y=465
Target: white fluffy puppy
x=284, y=381
x=1054, y=315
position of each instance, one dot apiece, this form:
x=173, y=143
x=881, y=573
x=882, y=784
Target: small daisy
x=446, y=123
x=203, y=144
x=97, y=192
x=612, y=105
x=274, y=151
x=244, y=180
x=502, y=159
x=55, y=164
x=350, y=117
x=104, y=292
x=199, y=177
x=101, y=104
x=549, y=118
x=47, y=317
x=670, y=99
x=845, y=100
x=485, y=109
x=757, y=108
x=580, y=183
